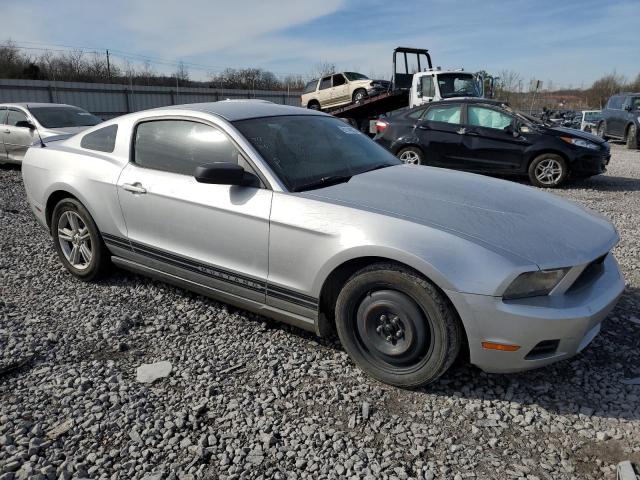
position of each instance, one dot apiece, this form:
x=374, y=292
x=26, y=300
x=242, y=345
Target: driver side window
x=487, y=117
x=179, y=146
x=16, y=116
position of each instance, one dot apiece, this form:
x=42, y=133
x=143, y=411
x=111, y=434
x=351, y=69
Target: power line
x=24, y=45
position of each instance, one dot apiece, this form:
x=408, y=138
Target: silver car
x=21, y=124
x=295, y=215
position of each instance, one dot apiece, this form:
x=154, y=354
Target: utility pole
x=108, y=67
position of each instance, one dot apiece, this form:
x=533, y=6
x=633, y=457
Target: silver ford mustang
x=294, y=214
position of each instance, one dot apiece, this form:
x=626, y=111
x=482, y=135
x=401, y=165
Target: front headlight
x=581, y=142
x=534, y=284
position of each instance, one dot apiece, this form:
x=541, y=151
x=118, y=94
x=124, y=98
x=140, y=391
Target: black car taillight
x=381, y=125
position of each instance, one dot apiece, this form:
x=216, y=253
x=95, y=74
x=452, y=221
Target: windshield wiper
x=323, y=182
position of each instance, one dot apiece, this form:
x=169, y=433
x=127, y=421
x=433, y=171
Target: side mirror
x=515, y=132
x=628, y=107
x=25, y=124
x=224, y=173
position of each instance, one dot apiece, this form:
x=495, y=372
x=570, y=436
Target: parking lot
x=251, y=398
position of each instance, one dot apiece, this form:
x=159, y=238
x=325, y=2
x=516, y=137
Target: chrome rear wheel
x=411, y=156
x=75, y=240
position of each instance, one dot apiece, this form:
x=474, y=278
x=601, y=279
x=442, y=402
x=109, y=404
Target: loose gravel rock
x=251, y=398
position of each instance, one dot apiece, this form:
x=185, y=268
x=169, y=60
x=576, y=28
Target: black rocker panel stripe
x=216, y=273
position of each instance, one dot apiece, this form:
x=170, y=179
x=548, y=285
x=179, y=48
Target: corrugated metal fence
x=108, y=100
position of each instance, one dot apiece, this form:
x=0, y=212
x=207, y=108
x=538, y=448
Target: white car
x=341, y=89
x=23, y=123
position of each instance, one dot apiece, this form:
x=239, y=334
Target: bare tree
x=603, y=88
x=322, y=69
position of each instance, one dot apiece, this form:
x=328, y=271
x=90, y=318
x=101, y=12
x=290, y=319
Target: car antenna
x=42, y=144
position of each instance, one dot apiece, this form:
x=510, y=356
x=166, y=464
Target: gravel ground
x=251, y=398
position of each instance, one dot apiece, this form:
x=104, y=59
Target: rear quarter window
x=101, y=140
x=310, y=87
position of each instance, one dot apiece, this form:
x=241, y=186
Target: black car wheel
x=77, y=240
x=548, y=170
x=397, y=326
x=411, y=156
x=632, y=137
x=359, y=95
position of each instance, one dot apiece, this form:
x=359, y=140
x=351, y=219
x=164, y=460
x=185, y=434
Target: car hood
x=503, y=216
x=563, y=132
x=50, y=132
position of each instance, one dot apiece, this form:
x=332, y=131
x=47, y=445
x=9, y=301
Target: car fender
x=384, y=253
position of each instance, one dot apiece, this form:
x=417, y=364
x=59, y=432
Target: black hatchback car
x=487, y=136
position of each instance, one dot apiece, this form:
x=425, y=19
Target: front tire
x=77, y=240
x=548, y=171
x=632, y=137
x=397, y=326
x=359, y=95
x=411, y=156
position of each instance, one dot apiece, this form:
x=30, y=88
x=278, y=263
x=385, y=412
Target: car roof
x=232, y=110
x=486, y=101
x=34, y=104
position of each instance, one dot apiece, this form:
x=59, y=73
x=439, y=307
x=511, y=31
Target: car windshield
x=592, y=116
x=458, y=85
x=355, y=76
x=309, y=151
x=60, y=117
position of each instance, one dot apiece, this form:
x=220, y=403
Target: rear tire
x=411, y=156
x=397, y=326
x=632, y=137
x=548, y=171
x=77, y=240
x=313, y=105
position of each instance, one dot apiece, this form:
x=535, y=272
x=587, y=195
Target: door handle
x=134, y=187
x=473, y=134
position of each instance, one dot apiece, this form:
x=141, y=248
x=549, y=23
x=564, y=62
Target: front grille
x=589, y=274
x=546, y=348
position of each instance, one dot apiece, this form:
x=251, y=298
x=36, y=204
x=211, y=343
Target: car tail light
x=381, y=125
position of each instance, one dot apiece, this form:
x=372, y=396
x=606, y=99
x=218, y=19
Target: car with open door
x=487, y=136
x=22, y=124
x=293, y=214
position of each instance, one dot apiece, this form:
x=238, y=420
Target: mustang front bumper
x=547, y=328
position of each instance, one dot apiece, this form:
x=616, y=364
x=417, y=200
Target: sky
x=569, y=42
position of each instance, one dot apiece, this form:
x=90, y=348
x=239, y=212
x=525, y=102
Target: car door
x=324, y=92
x=614, y=118
x=216, y=235
x=340, y=90
x=489, y=142
x=17, y=138
x=3, y=132
x=439, y=137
